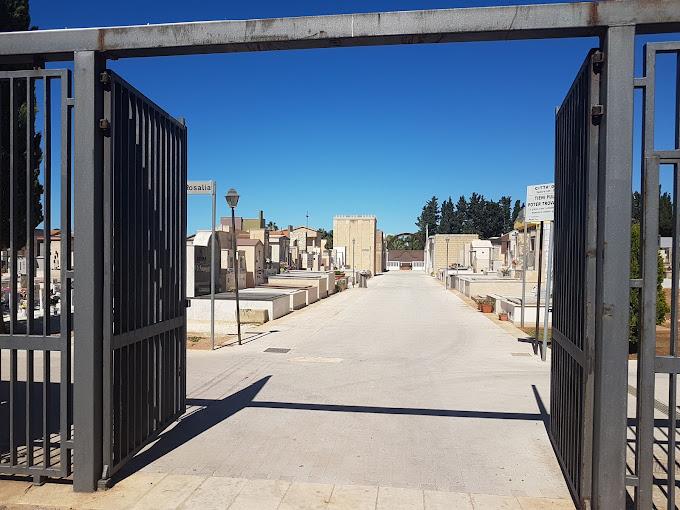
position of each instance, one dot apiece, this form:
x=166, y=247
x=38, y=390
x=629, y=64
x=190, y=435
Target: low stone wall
x=298, y=297
x=321, y=283
x=483, y=286
x=514, y=311
x=198, y=314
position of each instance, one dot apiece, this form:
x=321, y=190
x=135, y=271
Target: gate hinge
x=597, y=60
x=105, y=78
x=105, y=127
x=596, y=113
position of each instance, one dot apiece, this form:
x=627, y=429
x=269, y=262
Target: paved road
x=400, y=384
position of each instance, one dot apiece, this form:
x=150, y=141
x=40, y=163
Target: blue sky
x=374, y=130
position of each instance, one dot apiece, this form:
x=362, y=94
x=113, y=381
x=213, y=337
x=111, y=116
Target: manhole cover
x=277, y=350
x=520, y=354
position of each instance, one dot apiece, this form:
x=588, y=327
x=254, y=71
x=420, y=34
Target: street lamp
x=446, y=281
x=354, y=269
x=232, y=201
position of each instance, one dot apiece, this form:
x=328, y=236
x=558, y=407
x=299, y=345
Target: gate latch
x=596, y=114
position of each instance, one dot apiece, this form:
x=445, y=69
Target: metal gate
x=573, y=333
x=652, y=466
x=36, y=402
x=145, y=175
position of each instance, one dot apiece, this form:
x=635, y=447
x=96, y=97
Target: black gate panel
x=145, y=174
x=36, y=398
x=571, y=381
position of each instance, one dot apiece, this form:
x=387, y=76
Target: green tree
x=665, y=215
x=493, y=220
x=460, y=217
x=475, y=214
x=393, y=242
x=637, y=207
x=328, y=236
x=429, y=217
x=665, y=212
x=504, y=203
x=14, y=16
x=271, y=225
x=662, y=307
x=448, y=220
x=515, y=212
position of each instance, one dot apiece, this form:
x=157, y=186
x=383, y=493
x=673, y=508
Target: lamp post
x=446, y=274
x=232, y=200
x=354, y=269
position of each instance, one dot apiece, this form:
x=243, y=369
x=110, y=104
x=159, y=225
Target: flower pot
x=479, y=306
x=487, y=308
x=503, y=316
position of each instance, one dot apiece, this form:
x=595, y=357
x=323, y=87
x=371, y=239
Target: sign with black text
x=540, y=204
x=200, y=187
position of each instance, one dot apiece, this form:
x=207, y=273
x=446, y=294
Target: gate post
x=613, y=270
x=88, y=264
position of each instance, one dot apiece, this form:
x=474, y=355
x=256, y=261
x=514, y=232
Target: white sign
x=540, y=203
x=200, y=187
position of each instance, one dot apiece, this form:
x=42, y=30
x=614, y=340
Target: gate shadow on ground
x=210, y=412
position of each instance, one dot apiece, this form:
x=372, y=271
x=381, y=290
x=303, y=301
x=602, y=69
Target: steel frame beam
x=88, y=302
x=613, y=261
x=406, y=27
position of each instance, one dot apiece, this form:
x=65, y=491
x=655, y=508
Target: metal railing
x=145, y=174
x=36, y=434
x=652, y=467
x=576, y=182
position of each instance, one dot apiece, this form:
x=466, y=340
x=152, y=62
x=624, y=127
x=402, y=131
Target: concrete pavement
x=395, y=396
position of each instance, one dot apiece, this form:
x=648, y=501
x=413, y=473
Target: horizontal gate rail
x=144, y=260
x=499, y=23
x=36, y=409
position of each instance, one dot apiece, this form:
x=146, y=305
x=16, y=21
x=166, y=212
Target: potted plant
x=487, y=305
x=478, y=302
x=503, y=316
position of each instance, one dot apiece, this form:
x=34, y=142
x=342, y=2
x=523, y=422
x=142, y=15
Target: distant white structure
x=478, y=255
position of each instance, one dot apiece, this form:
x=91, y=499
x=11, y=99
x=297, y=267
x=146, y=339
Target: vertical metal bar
x=47, y=190
x=47, y=275
x=589, y=294
x=548, y=271
x=108, y=276
x=672, y=378
x=13, y=162
x=524, y=270
x=213, y=249
x=183, y=255
x=236, y=272
x=538, y=284
x=614, y=208
x=147, y=269
x=46, y=411
x=675, y=274
x=12, y=407
x=644, y=444
x=88, y=305
x=155, y=155
x=30, y=263
x=65, y=319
